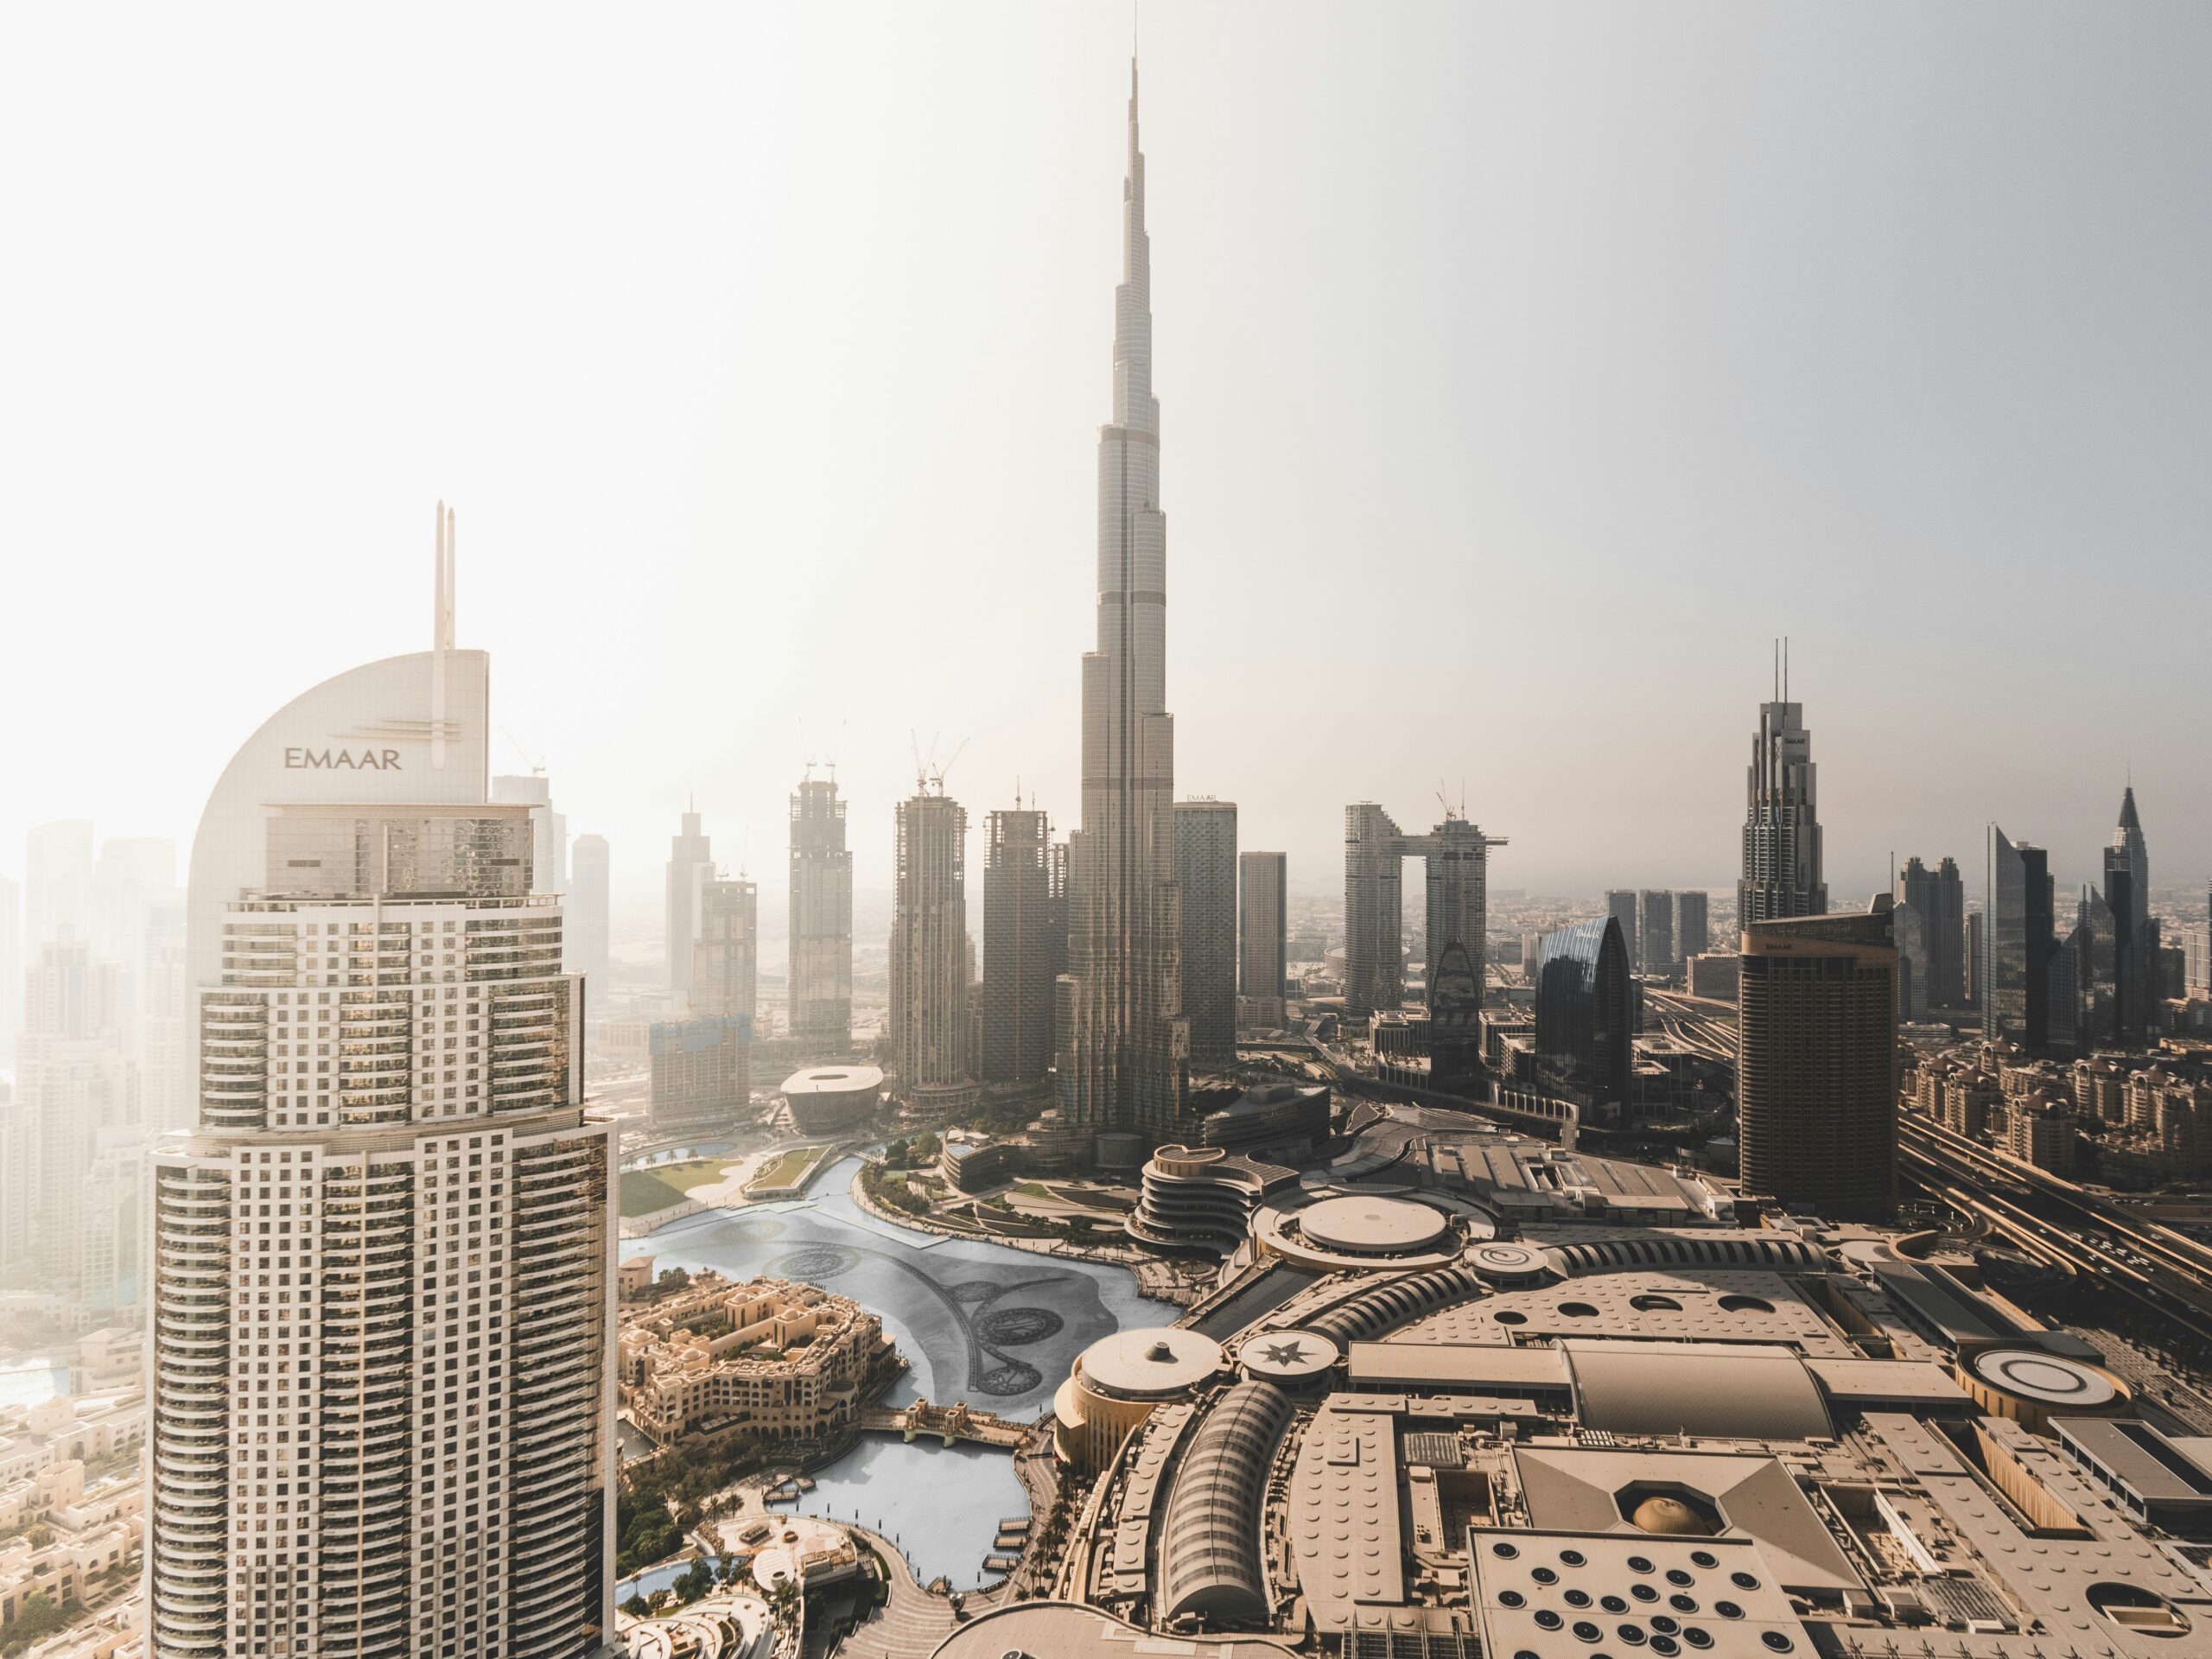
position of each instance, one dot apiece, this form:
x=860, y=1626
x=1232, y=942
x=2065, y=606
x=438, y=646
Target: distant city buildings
x=57, y=883
x=690, y=862
x=1816, y=1068
x=1692, y=928
x=1024, y=944
x=700, y=1073
x=1655, y=931
x=929, y=946
x=1782, y=831
x=1262, y=950
x=11, y=968
x=1622, y=906
x=1205, y=874
x=590, y=893
x=820, y=922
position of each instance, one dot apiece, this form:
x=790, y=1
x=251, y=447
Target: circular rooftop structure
x=1373, y=1226
x=1506, y=1264
x=2048, y=1378
x=1289, y=1359
x=824, y=1099
x=1153, y=1364
x=2032, y=1386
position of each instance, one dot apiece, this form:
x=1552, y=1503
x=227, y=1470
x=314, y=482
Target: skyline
x=1487, y=466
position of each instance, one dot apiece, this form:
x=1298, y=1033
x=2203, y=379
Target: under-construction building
x=821, y=956
x=1024, y=944
x=1458, y=901
x=928, y=944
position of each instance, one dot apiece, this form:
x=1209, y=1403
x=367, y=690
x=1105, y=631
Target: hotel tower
x=1123, y=1045
x=380, y=1265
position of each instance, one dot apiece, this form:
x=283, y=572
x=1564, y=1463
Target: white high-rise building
x=549, y=827
x=929, y=967
x=1124, y=1044
x=382, y=1265
x=590, y=882
x=691, y=866
x=57, y=883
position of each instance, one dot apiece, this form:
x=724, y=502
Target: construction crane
x=928, y=773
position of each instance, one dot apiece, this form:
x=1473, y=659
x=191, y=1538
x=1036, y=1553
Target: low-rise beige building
x=782, y=1360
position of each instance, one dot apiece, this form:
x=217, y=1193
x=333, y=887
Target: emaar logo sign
x=301, y=759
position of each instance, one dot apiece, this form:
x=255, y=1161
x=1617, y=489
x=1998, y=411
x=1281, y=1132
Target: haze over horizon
x=1523, y=373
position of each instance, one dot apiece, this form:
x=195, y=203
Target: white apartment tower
x=1123, y=1042
x=382, y=1263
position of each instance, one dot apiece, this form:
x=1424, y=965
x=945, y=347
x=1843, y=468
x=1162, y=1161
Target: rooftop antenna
x=441, y=634
x=1778, y=671
x=1785, y=667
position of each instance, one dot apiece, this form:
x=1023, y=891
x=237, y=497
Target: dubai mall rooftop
x=1428, y=1417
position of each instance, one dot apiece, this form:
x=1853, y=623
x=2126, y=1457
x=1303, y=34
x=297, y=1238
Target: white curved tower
x=381, y=1264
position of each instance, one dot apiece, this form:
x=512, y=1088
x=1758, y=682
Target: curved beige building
x=1116, y=1382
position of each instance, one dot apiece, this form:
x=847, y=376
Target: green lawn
x=645, y=1191
x=786, y=1168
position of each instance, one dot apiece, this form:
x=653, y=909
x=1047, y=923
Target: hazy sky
x=1523, y=372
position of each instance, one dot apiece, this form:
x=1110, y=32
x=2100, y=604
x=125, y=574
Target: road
x=2065, y=1225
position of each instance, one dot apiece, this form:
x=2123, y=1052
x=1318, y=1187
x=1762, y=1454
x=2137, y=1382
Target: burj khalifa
x=1123, y=1045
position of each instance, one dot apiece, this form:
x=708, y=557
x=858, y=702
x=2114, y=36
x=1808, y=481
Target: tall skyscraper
x=548, y=827
x=928, y=944
x=1262, y=927
x=1939, y=898
x=1457, y=885
x=590, y=885
x=1456, y=854
x=690, y=862
x=1781, y=828
x=1206, y=871
x=1621, y=905
x=424, y=1462
x=1375, y=925
x=821, y=921
x=2017, y=944
x=1024, y=944
x=57, y=883
x=726, y=955
x=1124, y=1068
x=1817, y=1072
x=2136, y=934
x=1655, y=931
x=1693, y=929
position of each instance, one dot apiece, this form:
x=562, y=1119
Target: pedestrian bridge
x=950, y=1423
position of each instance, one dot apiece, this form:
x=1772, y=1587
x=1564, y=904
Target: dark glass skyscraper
x=1939, y=898
x=2016, y=944
x=1585, y=1012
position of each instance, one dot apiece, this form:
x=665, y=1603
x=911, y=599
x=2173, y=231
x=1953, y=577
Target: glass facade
x=1585, y=1012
